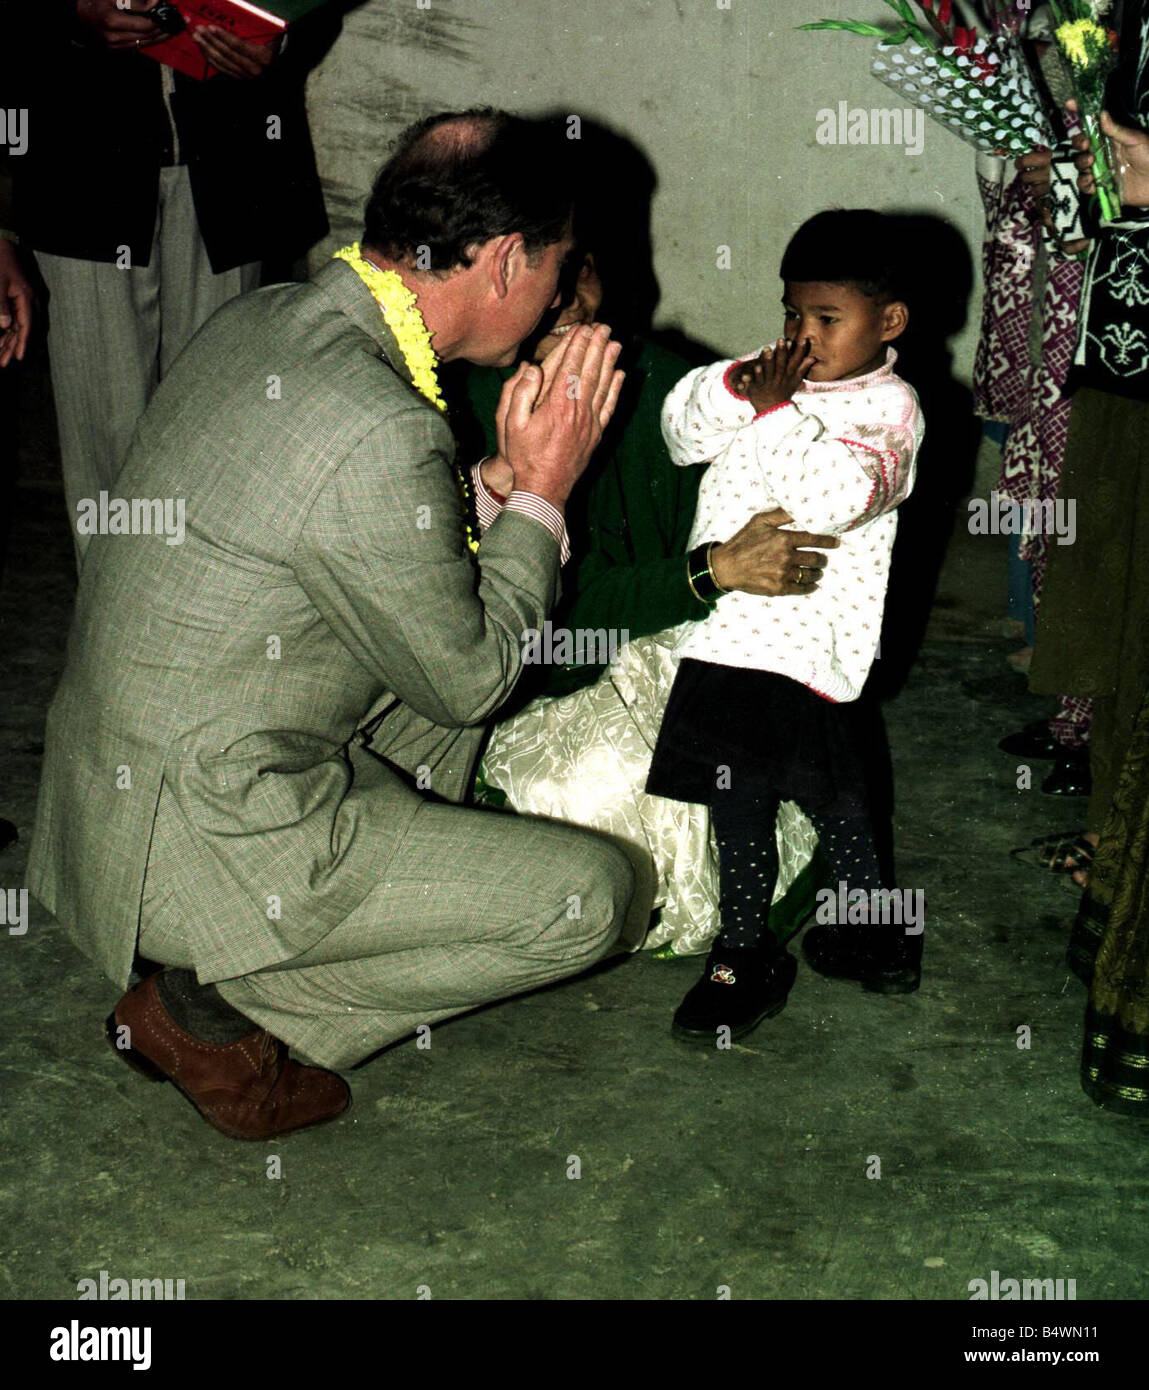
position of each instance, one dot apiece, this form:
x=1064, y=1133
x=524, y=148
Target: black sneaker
x=738, y=990
x=885, y=962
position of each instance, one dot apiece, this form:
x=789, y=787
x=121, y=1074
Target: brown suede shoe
x=248, y=1089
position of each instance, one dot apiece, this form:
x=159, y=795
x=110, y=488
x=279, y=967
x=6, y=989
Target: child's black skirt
x=756, y=732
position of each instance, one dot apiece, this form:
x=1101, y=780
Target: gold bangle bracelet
x=710, y=567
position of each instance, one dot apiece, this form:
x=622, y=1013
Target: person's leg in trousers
x=190, y=292
x=103, y=341
x=474, y=907
x=114, y=330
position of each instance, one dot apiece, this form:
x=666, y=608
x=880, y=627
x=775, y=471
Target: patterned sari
x=1024, y=353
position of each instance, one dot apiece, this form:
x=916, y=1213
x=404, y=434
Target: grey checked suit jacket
x=328, y=519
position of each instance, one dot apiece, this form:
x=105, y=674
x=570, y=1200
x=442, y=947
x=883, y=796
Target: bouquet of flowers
x=978, y=86
x=1090, y=51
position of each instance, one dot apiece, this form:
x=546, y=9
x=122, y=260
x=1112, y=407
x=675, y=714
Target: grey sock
x=200, y=1009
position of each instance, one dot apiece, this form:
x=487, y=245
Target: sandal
x=1067, y=853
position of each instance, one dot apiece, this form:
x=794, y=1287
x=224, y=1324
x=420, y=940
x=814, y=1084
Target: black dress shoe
x=1034, y=741
x=1070, y=777
x=738, y=990
x=882, y=960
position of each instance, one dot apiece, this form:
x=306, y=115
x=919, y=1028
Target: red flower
x=939, y=21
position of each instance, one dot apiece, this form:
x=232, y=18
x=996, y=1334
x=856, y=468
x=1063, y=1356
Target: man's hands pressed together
x=774, y=375
x=550, y=418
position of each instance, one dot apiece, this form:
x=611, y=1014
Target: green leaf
x=852, y=26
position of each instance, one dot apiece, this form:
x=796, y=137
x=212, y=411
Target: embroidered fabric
x=881, y=451
x=583, y=758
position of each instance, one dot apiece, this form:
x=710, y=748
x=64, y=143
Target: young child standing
x=762, y=708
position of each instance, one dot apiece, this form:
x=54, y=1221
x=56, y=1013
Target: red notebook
x=242, y=19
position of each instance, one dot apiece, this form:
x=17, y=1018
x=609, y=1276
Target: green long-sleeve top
x=629, y=517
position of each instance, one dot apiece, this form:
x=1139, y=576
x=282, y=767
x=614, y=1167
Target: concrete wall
x=724, y=103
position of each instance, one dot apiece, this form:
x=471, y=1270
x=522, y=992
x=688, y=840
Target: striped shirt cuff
x=487, y=508
x=530, y=504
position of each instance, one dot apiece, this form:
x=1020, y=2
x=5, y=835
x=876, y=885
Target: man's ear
x=895, y=318
x=507, y=258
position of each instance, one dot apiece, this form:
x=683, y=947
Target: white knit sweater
x=839, y=458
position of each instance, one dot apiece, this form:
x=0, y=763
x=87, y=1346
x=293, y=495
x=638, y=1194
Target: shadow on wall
x=617, y=185
x=940, y=275
x=939, y=284
x=615, y=188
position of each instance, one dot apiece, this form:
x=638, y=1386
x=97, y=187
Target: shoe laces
x=270, y=1054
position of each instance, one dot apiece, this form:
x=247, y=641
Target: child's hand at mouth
x=774, y=375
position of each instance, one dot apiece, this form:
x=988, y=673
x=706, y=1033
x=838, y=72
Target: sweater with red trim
x=839, y=457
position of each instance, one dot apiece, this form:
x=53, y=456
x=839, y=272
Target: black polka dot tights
x=748, y=861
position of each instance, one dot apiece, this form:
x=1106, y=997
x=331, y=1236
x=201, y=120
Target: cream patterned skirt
x=583, y=759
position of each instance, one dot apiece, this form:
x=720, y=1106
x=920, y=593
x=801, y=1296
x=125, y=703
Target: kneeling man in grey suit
x=269, y=713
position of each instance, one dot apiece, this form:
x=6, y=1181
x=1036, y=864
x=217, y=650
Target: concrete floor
x=745, y=1169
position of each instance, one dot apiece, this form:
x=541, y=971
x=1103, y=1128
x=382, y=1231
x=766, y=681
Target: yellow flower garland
x=401, y=313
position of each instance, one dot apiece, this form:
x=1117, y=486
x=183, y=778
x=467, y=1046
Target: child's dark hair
x=854, y=246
